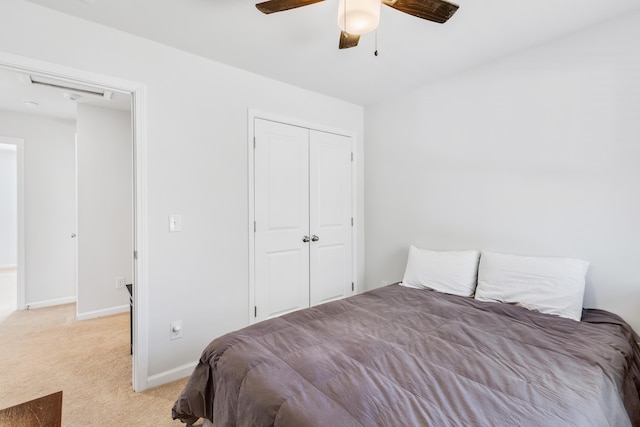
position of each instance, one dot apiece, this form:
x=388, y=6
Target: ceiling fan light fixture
x=359, y=16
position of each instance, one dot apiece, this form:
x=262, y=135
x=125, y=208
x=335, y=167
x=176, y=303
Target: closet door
x=282, y=218
x=330, y=217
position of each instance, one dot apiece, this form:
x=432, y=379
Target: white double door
x=303, y=218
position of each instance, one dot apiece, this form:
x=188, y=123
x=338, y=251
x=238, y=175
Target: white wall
x=197, y=166
x=8, y=206
x=536, y=154
x=105, y=209
x=49, y=204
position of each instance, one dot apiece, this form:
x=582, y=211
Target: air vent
x=71, y=87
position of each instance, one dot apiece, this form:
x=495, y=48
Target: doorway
x=8, y=227
x=79, y=177
x=136, y=91
x=12, y=219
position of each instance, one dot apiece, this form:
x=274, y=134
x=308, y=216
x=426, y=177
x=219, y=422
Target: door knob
x=314, y=238
x=73, y=235
x=305, y=239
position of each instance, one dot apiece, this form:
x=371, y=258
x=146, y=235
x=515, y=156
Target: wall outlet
x=120, y=282
x=175, y=330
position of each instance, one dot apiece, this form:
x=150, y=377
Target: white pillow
x=544, y=284
x=451, y=272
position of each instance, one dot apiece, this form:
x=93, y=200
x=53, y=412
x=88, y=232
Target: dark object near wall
x=130, y=289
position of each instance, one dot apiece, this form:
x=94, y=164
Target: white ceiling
x=15, y=89
x=300, y=46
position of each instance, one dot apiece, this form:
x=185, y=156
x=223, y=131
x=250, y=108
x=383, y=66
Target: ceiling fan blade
x=348, y=40
x=433, y=10
x=272, y=6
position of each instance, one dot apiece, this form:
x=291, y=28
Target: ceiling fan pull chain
x=376, y=41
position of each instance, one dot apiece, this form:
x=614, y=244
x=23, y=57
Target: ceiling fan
x=358, y=17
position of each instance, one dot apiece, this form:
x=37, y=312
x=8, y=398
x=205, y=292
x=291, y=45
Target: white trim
x=252, y=217
x=9, y=267
x=104, y=312
x=171, y=375
x=140, y=244
x=137, y=90
x=50, y=303
x=65, y=74
x=256, y=114
x=75, y=213
x=21, y=268
x=354, y=213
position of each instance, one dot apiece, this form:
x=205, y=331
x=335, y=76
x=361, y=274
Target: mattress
x=398, y=356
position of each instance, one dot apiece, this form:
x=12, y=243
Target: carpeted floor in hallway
x=47, y=350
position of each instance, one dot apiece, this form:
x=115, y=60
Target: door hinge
x=255, y=311
x=353, y=286
x=352, y=221
x=254, y=142
x=135, y=254
x=255, y=227
x=352, y=156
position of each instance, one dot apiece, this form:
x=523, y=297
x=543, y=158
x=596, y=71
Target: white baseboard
x=50, y=303
x=171, y=375
x=8, y=267
x=104, y=312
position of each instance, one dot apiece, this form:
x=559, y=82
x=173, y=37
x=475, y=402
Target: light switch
x=175, y=223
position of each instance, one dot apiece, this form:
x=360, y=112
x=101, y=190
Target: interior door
x=281, y=174
x=330, y=217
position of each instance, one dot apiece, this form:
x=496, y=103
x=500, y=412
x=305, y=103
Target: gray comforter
x=397, y=356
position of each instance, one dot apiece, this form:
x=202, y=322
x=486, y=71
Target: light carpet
x=47, y=350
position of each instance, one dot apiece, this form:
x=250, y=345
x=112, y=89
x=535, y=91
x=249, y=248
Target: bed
x=402, y=356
